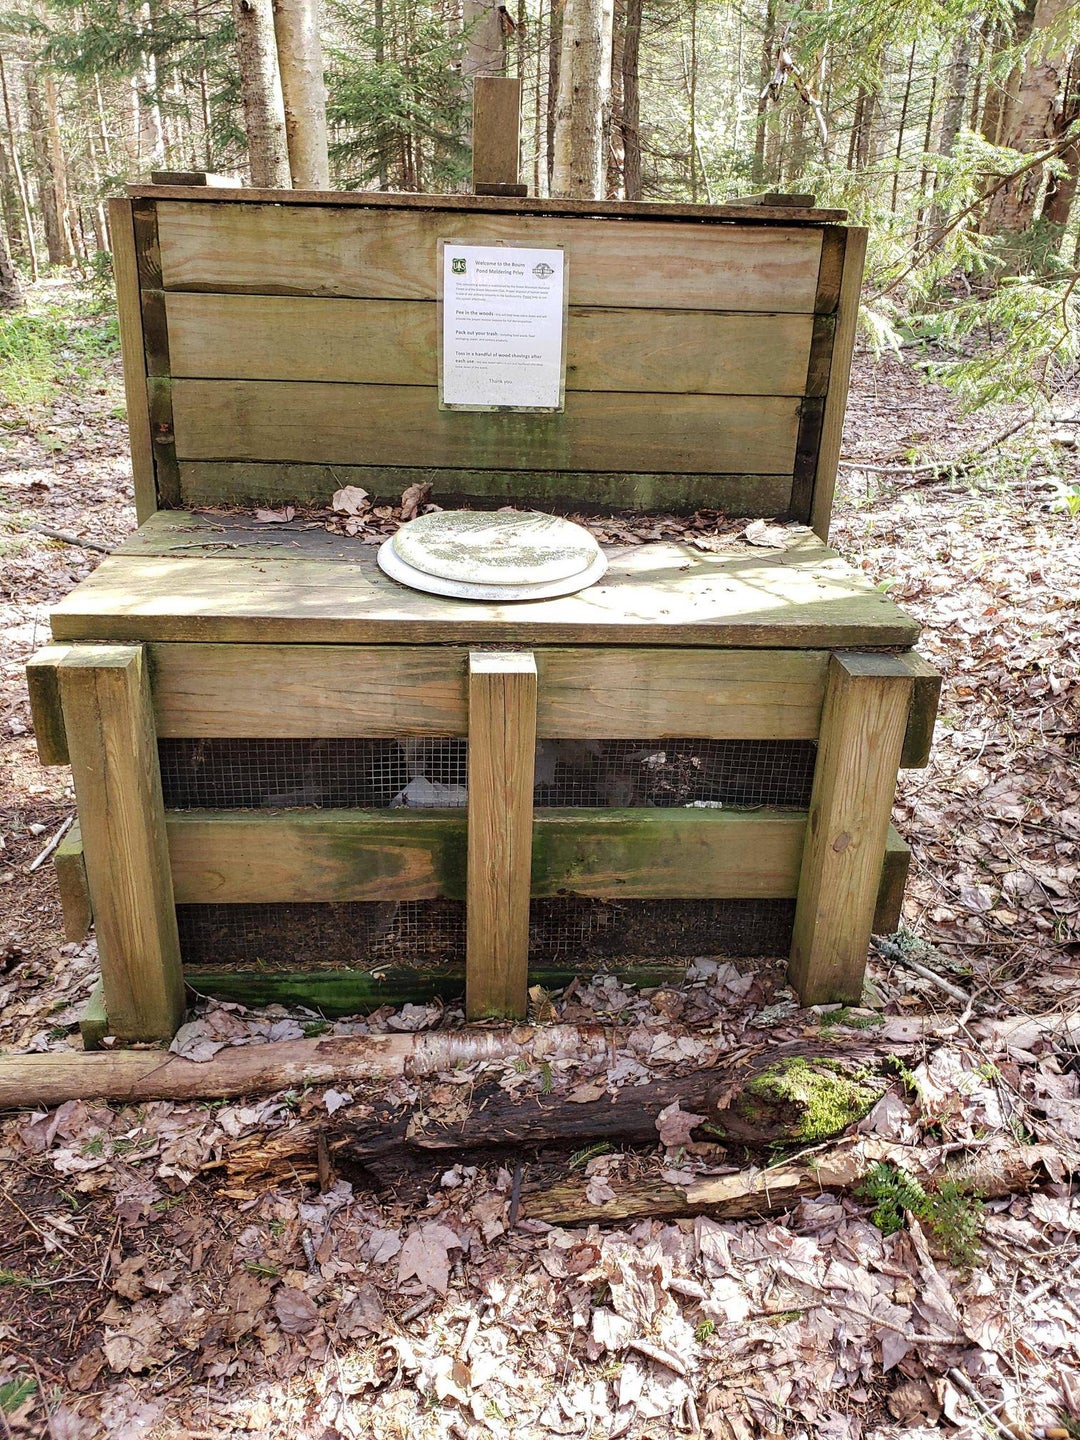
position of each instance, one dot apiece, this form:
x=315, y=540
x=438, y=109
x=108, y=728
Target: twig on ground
x=67, y=537
x=51, y=846
x=898, y=954
x=961, y=1382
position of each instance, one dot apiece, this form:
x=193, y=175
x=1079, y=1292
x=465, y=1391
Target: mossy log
x=797, y=1094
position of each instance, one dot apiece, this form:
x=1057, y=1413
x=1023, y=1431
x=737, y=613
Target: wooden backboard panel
x=288, y=346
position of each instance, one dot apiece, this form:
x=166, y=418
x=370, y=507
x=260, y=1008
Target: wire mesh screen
x=433, y=773
x=578, y=934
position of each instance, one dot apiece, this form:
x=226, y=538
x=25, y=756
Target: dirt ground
x=178, y=1270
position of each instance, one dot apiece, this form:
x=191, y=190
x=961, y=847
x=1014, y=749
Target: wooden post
x=108, y=717
x=502, y=744
x=867, y=699
x=497, y=136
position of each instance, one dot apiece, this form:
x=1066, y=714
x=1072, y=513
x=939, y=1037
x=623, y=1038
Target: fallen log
x=793, y=1094
x=751, y=1193
x=52, y=1078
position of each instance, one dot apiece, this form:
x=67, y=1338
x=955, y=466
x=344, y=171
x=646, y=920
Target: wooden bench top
x=195, y=577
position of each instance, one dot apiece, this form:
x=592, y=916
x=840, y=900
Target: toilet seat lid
x=504, y=548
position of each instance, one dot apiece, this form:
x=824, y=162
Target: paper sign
x=502, y=327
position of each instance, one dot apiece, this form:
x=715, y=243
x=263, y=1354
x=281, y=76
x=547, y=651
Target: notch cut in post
x=863, y=723
x=109, y=720
x=497, y=136
x=502, y=745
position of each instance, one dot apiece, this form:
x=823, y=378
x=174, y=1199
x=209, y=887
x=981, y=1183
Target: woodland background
x=950, y=129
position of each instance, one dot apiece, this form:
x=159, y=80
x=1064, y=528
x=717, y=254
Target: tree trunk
x=485, y=42
x=11, y=296
x=613, y=145
x=59, y=251
x=952, y=115
x=151, y=132
x=20, y=178
x=300, y=58
x=260, y=83
x=1032, y=125
x=1061, y=189
x=901, y=124
x=768, y=41
x=555, y=30
x=582, y=109
x=631, y=100
x=10, y=208
x=58, y=162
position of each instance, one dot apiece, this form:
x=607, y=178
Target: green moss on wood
x=818, y=1097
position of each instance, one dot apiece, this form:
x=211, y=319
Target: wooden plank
x=668, y=854
x=326, y=691
x=46, y=711
x=390, y=253
x=248, y=482
x=249, y=857
x=502, y=747
x=847, y=319
x=867, y=700
x=894, y=873
x=356, y=991
x=126, y=271
x=309, y=690
x=632, y=694
x=73, y=885
x=658, y=594
x=94, y=1020
x=614, y=209
x=403, y=425
x=496, y=130
x=195, y=177
x=265, y=857
x=925, y=697
x=109, y=721
x=394, y=342
x=776, y=197
x=159, y=390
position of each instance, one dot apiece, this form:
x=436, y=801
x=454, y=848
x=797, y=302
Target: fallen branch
x=66, y=537
x=990, y=1173
x=52, y=1078
x=791, y=1094
x=51, y=846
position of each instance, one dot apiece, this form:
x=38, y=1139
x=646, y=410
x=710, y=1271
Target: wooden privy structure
x=697, y=755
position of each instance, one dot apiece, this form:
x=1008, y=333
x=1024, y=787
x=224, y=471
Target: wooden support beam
x=70, y=866
x=109, y=722
x=46, y=713
x=497, y=136
x=126, y=270
x=925, y=697
x=502, y=745
x=94, y=1020
x=867, y=700
x=894, y=873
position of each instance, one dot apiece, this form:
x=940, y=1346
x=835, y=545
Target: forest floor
x=162, y=1275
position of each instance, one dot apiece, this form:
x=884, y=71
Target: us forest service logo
x=457, y=266
x=543, y=270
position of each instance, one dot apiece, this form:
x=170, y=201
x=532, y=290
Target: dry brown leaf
x=350, y=500
x=413, y=498
x=769, y=537
x=297, y=1313
x=674, y=1125
x=275, y=517
x=425, y=1255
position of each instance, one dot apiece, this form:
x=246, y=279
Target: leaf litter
x=176, y=1269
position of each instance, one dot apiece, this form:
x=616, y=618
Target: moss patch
x=821, y=1098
